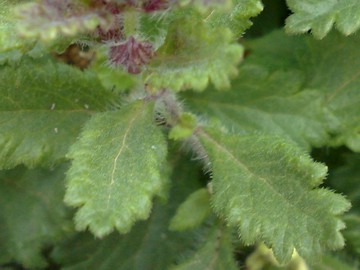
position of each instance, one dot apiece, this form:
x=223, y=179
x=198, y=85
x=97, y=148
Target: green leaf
x=319, y=16
x=266, y=102
x=192, y=212
x=184, y=128
x=191, y=57
x=48, y=19
x=216, y=253
x=149, y=245
x=32, y=214
x=269, y=190
x=43, y=106
x=8, y=40
x=330, y=66
x=295, y=87
x=238, y=19
x=117, y=169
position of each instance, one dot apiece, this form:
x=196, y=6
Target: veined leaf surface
x=269, y=190
x=117, y=169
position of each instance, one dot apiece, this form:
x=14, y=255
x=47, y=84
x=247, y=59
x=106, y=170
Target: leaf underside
x=320, y=16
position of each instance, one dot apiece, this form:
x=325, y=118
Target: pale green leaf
x=117, y=169
x=268, y=189
x=43, y=107
x=238, y=18
x=148, y=246
x=8, y=40
x=192, y=212
x=48, y=19
x=32, y=214
x=216, y=253
x=191, y=56
x=319, y=16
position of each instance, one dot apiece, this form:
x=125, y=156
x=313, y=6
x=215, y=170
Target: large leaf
x=32, y=214
x=149, y=245
x=269, y=190
x=43, y=106
x=216, y=253
x=118, y=167
x=319, y=16
x=266, y=102
x=191, y=56
x=295, y=87
x=332, y=66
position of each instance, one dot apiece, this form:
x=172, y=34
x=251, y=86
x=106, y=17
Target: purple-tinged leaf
x=131, y=54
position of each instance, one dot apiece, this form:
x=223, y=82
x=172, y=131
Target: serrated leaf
x=216, y=253
x=192, y=212
x=43, y=106
x=117, y=169
x=149, y=245
x=49, y=18
x=32, y=214
x=269, y=190
x=191, y=57
x=238, y=19
x=295, y=87
x=320, y=16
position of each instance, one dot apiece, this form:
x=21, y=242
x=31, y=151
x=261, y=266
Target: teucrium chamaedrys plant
x=166, y=148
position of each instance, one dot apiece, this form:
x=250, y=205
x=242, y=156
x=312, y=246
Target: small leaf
x=184, y=128
x=269, y=190
x=117, y=169
x=131, y=54
x=216, y=253
x=320, y=16
x=32, y=214
x=192, y=212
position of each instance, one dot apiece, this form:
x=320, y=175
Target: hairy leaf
x=269, y=190
x=191, y=57
x=49, y=18
x=266, y=102
x=149, y=245
x=43, y=106
x=192, y=212
x=117, y=169
x=216, y=253
x=238, y=18
x=32, y=214
x=319, y=16
x=295, y=87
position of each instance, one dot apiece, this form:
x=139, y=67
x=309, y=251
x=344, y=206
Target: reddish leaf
x=131, y=54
